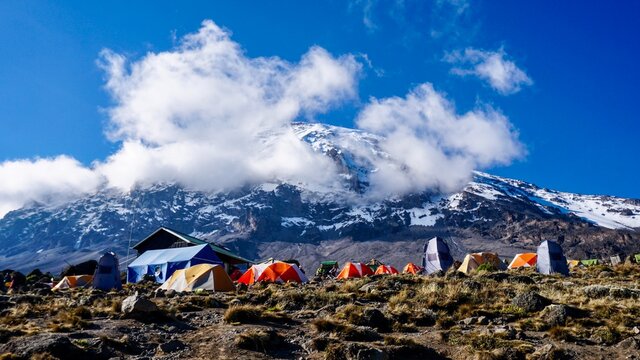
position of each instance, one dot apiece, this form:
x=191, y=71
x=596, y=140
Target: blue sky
x=576, y=117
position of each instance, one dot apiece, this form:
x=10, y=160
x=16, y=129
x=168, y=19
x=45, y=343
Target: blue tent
x=162, y=263
x=107, y=274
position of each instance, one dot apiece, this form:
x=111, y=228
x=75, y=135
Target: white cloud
x=494, y=67
x=200, y=114
x=208, y=117
x=43, y=181
x=430, y=146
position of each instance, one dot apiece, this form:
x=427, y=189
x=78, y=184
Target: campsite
x=177, y=299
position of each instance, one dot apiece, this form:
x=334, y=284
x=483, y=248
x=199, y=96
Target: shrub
x=259, y=340
x=243, y=314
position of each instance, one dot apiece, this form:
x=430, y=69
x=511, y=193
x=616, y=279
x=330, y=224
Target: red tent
x=386, y=269
x=354, y=270
x=277, y=271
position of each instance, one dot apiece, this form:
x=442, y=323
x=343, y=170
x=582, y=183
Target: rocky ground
x=594, y=314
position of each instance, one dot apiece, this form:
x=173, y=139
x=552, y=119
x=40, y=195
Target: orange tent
x=276, y=271
x=354, y=270
x=412, y=268
x=69, y=282
x=523, y=260
x=386, y=269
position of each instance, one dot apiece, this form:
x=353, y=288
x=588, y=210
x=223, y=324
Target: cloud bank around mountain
x=205, y=115
x=493, y=67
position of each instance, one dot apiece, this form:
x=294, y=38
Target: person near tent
x=18, y=281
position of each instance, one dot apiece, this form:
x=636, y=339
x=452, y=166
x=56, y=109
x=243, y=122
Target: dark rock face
x=284, y=220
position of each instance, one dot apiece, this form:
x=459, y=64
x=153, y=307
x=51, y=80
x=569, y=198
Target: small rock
x=469, y=321
x=636, y=330
x=371, y=354
x=555, y=315
x=506, y=332
x=369, y=288
x=172, y=346
x=483, y=320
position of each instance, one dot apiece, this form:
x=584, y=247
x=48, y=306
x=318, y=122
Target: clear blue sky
x=578, y=120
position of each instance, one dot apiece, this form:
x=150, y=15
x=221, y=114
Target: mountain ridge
x=293, y=220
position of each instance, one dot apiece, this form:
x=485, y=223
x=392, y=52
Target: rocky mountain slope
x=285, y=220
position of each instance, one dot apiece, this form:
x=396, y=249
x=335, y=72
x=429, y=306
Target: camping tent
x=573, y=263
x=472, y=261
x=276, y=271
x=437, y=256
x=107, y=274
x=354, y=270
x=412, y=268
x=386, y=269
x=73, y=281
x=163, y=263
x=589, y=262
x=637, y=257
x=202, y=276
x=551, y=259
x=523, y=260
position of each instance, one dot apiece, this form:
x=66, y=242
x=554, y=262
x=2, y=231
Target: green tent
x=326, y=267
x=637, y=257
x=589, y=262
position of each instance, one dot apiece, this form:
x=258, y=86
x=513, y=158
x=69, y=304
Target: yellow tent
x=68, y=282
x=203, y=276
x=473, y=261
x=573, y=263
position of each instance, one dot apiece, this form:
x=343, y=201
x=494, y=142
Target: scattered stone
x=483, y=320
x=472, y=285
x=522, y=279
x=172, y=346
x=371, y=354
x=375, y=319
x=506, y=332
x=58, y=346
x=630, y=343
x=530, y=301
x=369, y=288
x=469, y=321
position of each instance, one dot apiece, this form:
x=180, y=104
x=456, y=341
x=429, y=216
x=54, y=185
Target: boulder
x=136, y=304
x=530, y=301
x=596, y=291
x=555, y=315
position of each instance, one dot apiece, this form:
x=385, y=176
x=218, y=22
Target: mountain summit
x=344, y=222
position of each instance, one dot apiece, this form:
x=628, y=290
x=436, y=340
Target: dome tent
x=437, y=256
x=202, y=276
x=107, y=274
x=551, y=259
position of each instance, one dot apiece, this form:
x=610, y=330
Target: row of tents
x=548, y=259
x=195, y=266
